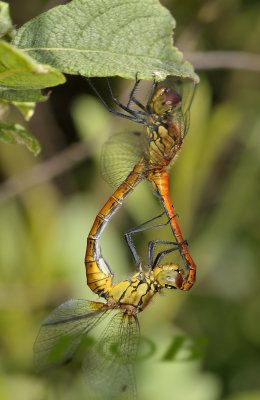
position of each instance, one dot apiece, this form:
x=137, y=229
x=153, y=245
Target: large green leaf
x=17, y=134
x=19, y=71
x=106, y=38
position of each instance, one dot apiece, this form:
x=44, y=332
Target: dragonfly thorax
x=135, y=294
x=164, y=140
x=164, y=126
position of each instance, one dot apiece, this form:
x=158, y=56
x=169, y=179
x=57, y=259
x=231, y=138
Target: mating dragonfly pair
x=108, y=365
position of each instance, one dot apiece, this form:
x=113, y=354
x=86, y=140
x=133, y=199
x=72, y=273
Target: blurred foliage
x=20, y=80
x=214, y=188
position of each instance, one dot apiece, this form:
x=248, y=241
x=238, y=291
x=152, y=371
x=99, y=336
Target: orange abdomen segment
x=99, y=274
x=159, y=180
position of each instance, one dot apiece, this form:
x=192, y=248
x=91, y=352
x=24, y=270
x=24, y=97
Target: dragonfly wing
x=62, y=331
x=120, y=154
x=109, y=367
x=186, y=89
x=187, y=93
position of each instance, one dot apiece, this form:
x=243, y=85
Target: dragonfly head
x=168, y=276
x=164, y=101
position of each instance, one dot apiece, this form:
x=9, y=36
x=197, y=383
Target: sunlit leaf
x=26, y=108
x=17, y=134
x=19, y=71
x=5, y=20
x=106, y=38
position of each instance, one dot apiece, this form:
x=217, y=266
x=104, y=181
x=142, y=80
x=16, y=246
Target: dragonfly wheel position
x=165, y=131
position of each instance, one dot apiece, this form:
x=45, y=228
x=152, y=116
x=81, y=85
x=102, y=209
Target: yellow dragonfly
x=108, y=364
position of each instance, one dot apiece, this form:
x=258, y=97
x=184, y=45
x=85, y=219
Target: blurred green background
x=214, y=187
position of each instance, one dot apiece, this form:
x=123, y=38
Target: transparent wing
x=188, y=92
x=109, y=366
x=186, y=89
x=120, y=154
x=62, y=331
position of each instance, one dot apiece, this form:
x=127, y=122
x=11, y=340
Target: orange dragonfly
x=108, y=363
x=166, y=126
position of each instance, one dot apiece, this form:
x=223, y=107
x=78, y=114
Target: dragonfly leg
x=133, y=117
x=148, y=107
x=132, y=97
x=137, y=81
x=141, y=228
x=134, y=100
x=125, y=108
x=161, y=254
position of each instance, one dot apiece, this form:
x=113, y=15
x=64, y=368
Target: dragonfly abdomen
x=99, y=274
x=159, y=180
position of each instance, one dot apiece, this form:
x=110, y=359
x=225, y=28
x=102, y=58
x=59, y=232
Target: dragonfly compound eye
x=170, y=277
x=165, y=100
x=172, y=98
